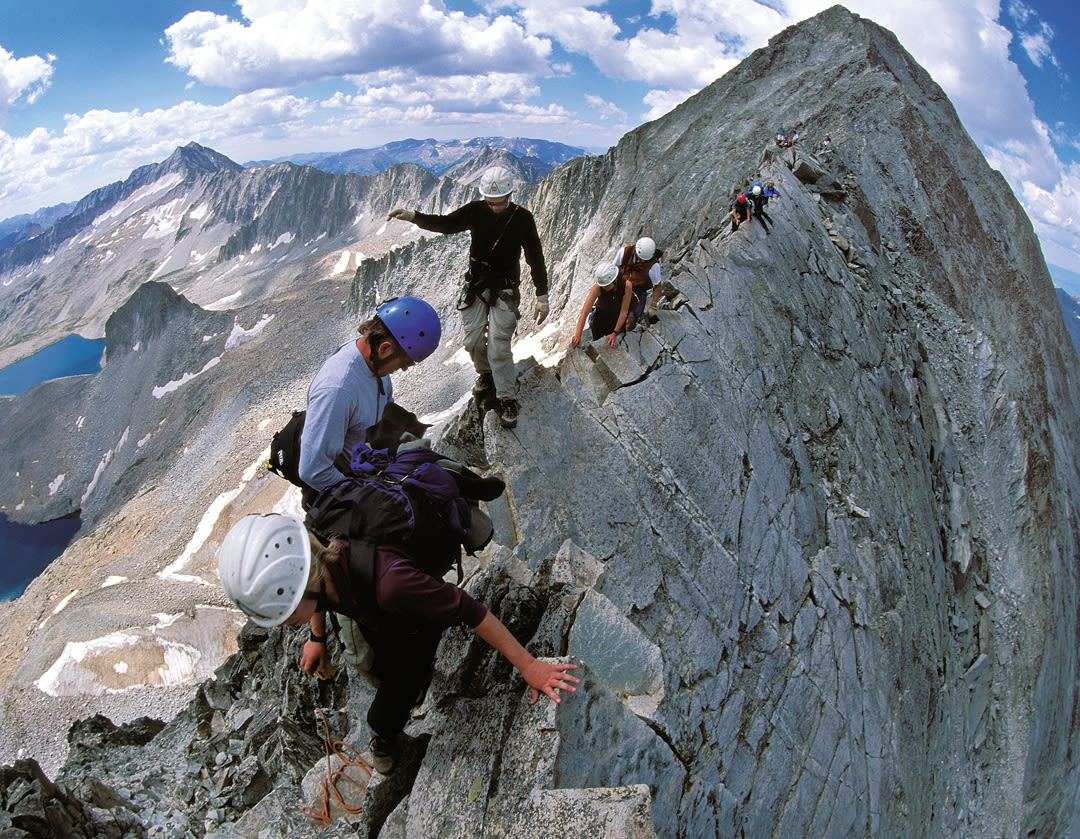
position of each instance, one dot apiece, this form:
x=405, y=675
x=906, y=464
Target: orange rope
x=333, y=775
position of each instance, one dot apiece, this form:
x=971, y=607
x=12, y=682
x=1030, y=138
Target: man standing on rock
x=489, y=302
x=348, y=395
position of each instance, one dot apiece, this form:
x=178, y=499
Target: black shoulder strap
x=362, y=573
x=505, y=228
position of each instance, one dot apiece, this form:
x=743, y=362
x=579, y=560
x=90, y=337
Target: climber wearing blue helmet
x=413, y=324
x=352, y=387
x=348, y=395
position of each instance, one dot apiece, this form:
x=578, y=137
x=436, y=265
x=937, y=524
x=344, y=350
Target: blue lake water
x=70, y=356
x=27, y=549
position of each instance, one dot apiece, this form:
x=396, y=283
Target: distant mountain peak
x=189, y=160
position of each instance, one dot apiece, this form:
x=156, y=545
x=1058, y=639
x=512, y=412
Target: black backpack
x=284, y=457
x=394, y=494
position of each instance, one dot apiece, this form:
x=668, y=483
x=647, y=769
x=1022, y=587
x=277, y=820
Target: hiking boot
x=508, y=412
x=484, y=384
x=384, y=753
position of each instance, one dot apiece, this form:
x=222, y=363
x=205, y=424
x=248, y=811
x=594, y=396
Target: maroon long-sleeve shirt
x=410, y=592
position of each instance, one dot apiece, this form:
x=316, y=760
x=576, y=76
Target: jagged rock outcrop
x=835, y=467
x=813, y=536
x=482, y=760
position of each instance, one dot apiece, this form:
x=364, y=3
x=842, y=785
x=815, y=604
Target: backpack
x=398, y=491
x=284, y=457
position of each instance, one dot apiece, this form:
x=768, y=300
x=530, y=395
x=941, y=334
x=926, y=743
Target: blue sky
x=89, y=91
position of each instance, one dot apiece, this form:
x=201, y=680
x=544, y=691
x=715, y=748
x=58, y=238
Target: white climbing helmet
x=605, y=273
x=645, y=248
x=264, y=564
x=496, y=182
x=757, y=189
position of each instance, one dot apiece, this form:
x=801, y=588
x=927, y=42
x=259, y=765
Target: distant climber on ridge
x=640, y=264
x=758, y=201
x=606, y=306
x=490, y=299
x=740, y=210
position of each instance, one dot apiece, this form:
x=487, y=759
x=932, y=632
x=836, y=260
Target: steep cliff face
x=837, y=490
x=813, y=536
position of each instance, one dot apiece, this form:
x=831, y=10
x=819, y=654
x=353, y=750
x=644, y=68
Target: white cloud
x=452, y=93
x=604, y=109
x=1035, y=33
x=22, y=79
x=45, y=167
x=1037, y=47
x=694, y=53
x=661, y=102
x=287, y=42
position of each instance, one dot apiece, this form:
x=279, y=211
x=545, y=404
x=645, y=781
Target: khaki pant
x=357, y=650
x=488, y=333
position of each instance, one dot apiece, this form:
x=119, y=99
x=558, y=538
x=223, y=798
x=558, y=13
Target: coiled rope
x=329, y=783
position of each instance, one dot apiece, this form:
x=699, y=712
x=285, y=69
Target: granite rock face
x=812, y=536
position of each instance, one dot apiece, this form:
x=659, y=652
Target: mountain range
x=812, y=537
x=437, y=156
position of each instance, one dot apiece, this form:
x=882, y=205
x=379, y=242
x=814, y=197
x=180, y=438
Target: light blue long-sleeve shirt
x=343, y=400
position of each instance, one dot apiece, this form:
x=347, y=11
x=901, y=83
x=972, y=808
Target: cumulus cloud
x=22, y=79
x=603, y=109
x=706, y=40
x=289, y=42
x=44, y=164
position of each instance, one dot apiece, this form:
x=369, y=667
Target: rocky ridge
x=812, y=535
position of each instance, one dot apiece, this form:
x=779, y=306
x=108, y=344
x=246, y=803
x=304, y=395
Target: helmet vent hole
x=280, y=592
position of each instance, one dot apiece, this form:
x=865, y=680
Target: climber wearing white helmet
x=501, y=230
x=277, y=573
x=640, y=264
x=606, y=306
x=347, y=395
x=758, y=201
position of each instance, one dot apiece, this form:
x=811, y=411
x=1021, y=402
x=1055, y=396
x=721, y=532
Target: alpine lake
x=27, y=549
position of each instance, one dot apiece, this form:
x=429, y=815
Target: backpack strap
x=362, y=573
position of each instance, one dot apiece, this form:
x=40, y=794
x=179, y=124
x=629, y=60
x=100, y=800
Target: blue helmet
x=413, y=323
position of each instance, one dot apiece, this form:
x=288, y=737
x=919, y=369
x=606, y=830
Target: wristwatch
x=318, y=639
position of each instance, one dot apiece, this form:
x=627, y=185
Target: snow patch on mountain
x=123, y=208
